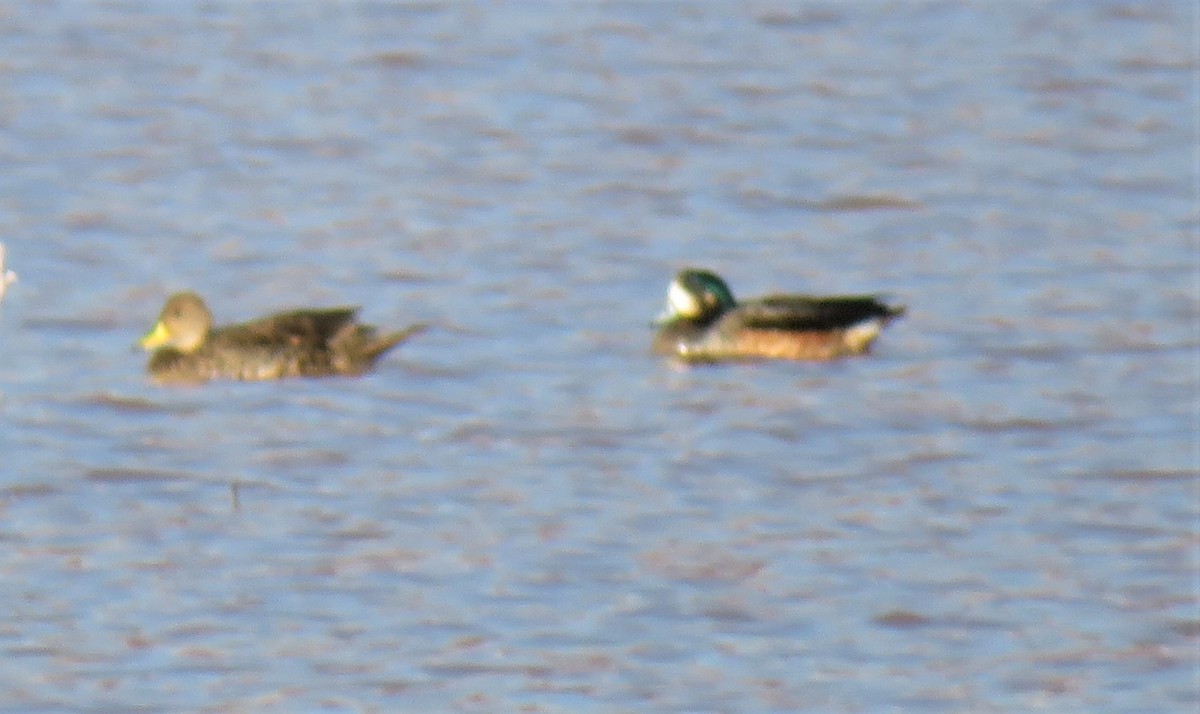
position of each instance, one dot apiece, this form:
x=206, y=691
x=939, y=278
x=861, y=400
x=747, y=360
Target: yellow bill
x=156, y=337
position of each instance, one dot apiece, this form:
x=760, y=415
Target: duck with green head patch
x=704, y=323
x=297, y=343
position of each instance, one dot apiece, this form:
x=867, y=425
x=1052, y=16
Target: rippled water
x=523, y=510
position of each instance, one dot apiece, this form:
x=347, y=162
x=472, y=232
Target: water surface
x=522, y=509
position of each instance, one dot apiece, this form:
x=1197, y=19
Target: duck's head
x=696, y=295
x=183, y=324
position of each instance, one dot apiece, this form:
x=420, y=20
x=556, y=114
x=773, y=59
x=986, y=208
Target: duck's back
x=810, y=313
x=305, y=329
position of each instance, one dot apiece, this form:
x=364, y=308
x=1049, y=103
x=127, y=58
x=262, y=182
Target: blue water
x=523, y=509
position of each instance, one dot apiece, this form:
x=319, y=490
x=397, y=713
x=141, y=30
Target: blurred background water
x=523, y=510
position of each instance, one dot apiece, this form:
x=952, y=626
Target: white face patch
x=682, y=302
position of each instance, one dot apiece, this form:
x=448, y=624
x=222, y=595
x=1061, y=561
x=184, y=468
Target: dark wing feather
x=306, y=329
x=801, y=312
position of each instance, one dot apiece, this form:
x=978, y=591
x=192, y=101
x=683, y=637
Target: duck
x=308, y=342
x=704, y=323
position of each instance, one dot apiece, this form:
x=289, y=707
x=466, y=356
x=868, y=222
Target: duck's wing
x=304, y=329
x=804, y=312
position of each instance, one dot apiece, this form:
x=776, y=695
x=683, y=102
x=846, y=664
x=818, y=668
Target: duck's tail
x=354, y=349
x=894, y=311
x=859, y=336
x=375, y=346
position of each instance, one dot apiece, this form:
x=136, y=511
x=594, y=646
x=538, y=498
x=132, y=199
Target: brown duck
x=297, y=343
